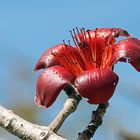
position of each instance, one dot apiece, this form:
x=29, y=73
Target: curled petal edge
x=115, y=32
x=104, y=33
x=128, y=50
x=47, y=58
x=50, y=83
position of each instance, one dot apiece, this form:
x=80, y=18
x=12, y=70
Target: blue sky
x=29, y=27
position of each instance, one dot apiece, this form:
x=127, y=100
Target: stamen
x=64, y=42
x=85, y=34
x=75, y=36
x=95, y=46
x=92, y=47
x=77, y=30
x=85, y=49
x=69, y=42
x=75, y=40
x=68, y=59
x=107, y=60
x=95, y=51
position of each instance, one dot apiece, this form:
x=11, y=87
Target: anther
x=96, y=29
x=74, y=32
x=77, y=30
x=74, y=36
x=87, y=30
x=83, y=29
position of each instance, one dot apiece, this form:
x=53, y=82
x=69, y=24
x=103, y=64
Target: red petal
x=47, y=59
x=128, y=48
x=106, y=32
x=50, y=83
x=97, y=85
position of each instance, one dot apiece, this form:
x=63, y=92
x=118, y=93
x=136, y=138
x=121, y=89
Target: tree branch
x=28, y=131
x=69, y=107
x=129, y=135
x=24, y=129
x=96, y=121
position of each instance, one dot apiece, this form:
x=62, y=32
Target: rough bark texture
x=96, y=121
x=69, y=107
x=23, y=129
x=28, y=131
x=125, y=135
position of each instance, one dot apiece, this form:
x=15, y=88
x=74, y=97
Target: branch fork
x=28, y=131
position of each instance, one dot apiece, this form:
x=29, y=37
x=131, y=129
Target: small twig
x=96, y=121
x=24, y=129
x=69, y=107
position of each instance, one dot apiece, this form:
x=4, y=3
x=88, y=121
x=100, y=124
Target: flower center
x=95, y=50
x=92, y=51
x=70, y=59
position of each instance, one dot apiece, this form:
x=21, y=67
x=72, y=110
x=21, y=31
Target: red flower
x=88, y=66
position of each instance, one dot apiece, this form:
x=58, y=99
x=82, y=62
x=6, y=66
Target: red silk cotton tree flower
x=88, y=66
